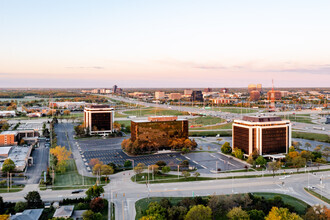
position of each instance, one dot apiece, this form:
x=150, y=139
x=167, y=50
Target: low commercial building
x=159, y=95
x=67, y=105
x=266, y=135
x=28, y=214
x=159, y=129
x=98, y=119
x=174, y=96
x=221, y=101
x=20, y=155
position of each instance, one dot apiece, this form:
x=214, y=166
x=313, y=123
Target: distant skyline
x=186, y=43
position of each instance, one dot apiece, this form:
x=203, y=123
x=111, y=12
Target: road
x=40, y=163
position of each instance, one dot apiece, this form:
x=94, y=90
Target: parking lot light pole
x=216, y=169
x=133, y=168
x=178, y=171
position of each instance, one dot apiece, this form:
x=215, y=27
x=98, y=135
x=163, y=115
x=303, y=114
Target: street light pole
x=216, y=169
x=178, y=171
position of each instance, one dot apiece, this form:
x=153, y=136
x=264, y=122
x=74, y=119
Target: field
x=125, y=122
x=311, y=136
x=215, y=127
x=236, y=110
x=72, y=179
x=150, y=111
x=205, y=120
x=299, y=118
x=209, y=133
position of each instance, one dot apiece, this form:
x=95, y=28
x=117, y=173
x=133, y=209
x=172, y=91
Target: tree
x=61, y=153
x=116, y=126
x=161, y=164
x=139, y=168
x=256, y=214
x=8, y=166
x=226, y=149
x=106, y=170
x=156, y=210
x=127, y=163
x=291, y=149
x=94, y=161
x=238, y=153
x=186, y=174
x=176, y=213
x=97, y=204
x=97, y=169
x=282, y=213
x=298, y=162
x=165, y=203
x=318, y=148
x=237, y=213
x=306, y=154
x=198, y=212
x=61, y=166
x=33, y=200
x=250, y=160
x=308, y=145
x=20, y=206
x=317, y=212
x=166, y=169
x=184, y=163
x=66, y=112
x=196, y=174
x=154, y=168
x=326, y=152
x=274, y=166
x=90, y=215
x=261, y=161
x=94, y=191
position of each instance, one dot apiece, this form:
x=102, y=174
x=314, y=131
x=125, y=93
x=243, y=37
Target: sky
x=164, y=43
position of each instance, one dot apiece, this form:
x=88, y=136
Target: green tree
x=298, y=162
x=128, y=163
x=282, y=213
x=291, y=149
x=196, y=174
x=274, y=166
x=238, y=153
x=186, y=174
x=20, y=206
x=106, y=170
x=237, y=213
x=250, y=160
x=166, y=169
x=94, y=192
x=226, y=149
x=261, y=161
x=176, y=213
x=33, y=200
x=198, y=212
x=308, y=145
x=90, y=215
x=8, y=166
x=326, y=152
x=256, y=214
x=139, y=168
x=155, y=209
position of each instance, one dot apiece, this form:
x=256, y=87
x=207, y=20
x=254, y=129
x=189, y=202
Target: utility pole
x=8, y=181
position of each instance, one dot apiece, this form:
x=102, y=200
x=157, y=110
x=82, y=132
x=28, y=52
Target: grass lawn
x=118, y=115
x=311, y=136
x=298, y=118
x=150, y=111
x=318, y=195
x=14, y=188
x=215, y=127
x=71, y=179
x=299, y=205
x=205, y=120
x=209, y=133
x=237, y=110
x=167, y=178
x=125, y=122
x=142, y=204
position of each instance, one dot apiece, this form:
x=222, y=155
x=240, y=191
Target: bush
x=226, y=149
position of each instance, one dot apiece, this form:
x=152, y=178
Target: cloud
x=310, y=69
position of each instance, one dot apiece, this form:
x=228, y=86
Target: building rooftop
x=19, y=155
x=9, y=132
x=29, y=214
x=261, y=118
x=4, y=150
x=64, y=211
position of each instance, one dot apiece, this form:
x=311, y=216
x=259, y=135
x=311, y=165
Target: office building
x=259, y=87
x=274, y=95
x=197, y=96
x=159, y=129
x=254, y=95
x=224, y=90
x=159, y=95
x=8, y=138
x=252, y=87
x=187, y=92
x=98, y=119
x=266, y=135
x=206, y=90
x=114, y=89
x=174, y=96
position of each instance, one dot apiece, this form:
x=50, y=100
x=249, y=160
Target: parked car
x=77, y=191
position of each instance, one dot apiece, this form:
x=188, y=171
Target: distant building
x=99, y=119
x=276, y=94
x=19, y=154
x=7, y=114
x=174, y=96
x=224, y=90
x=284, y=93
x=114, y=89
x=206, y=90
x=259, y=87
x=267, y=135
x=159, y=95
x=221, y=101
x=67, y=105
x=8, y=138
x=254, y=95
x=159, y=129
x=252, y=87
x=187, y=92
x=197, y=96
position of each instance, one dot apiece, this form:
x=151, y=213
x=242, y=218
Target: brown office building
x=267, y=135
x=276, y=94
x=254, y=95
x=160, y=129
x=98, y=119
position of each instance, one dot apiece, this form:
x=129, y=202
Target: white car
x=282, y=177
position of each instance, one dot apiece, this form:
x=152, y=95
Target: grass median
x=166, y=178
x=12, y=189
x=324, y=199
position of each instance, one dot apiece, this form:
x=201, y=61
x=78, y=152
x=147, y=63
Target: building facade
x=159, y=129
x=276, y=95
x=197, y=96
x=266, y=135
x=159, y=95
x=7, y=139
x=98, y=119
x=254, y=95
x=174, y=96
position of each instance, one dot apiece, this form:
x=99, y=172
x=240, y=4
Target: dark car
x=77, y=191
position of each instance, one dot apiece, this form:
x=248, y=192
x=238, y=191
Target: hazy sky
x=164, y=43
